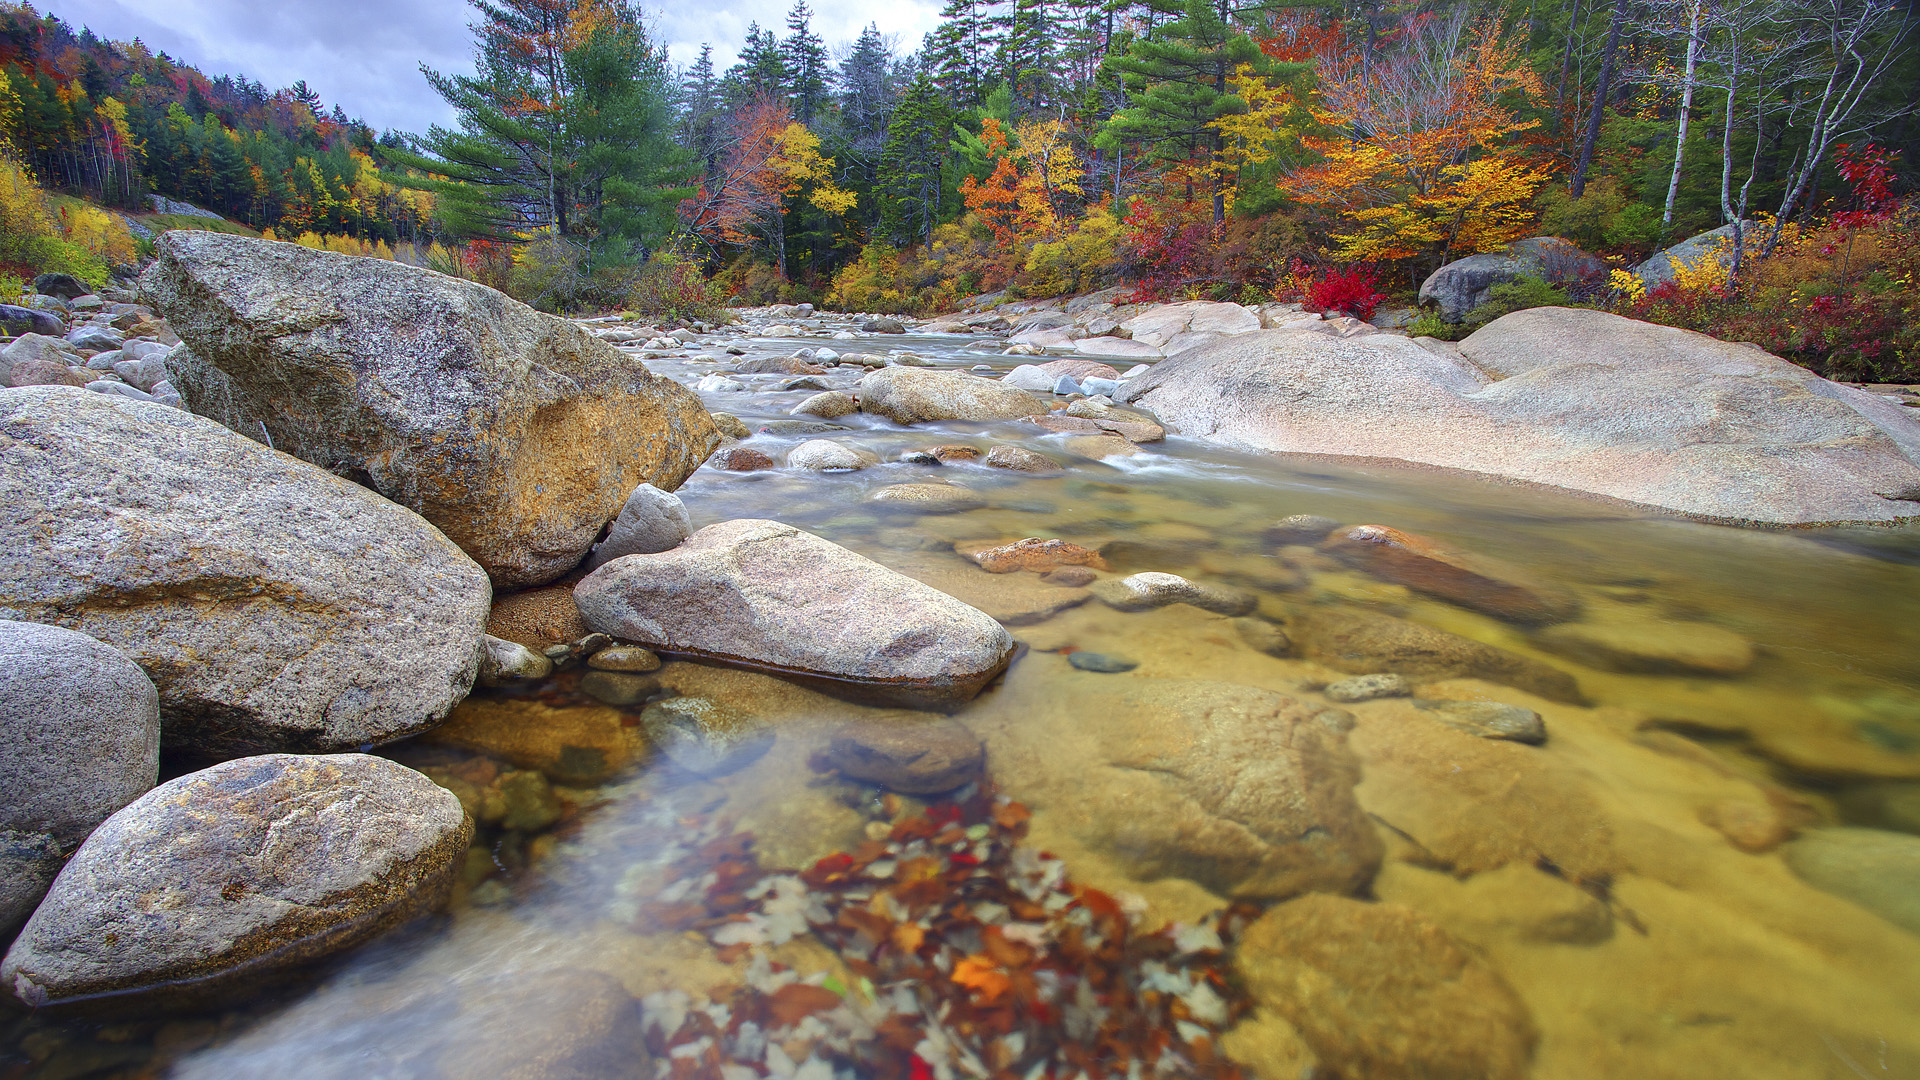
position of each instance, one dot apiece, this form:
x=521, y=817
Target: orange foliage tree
x=1425, y=158
x=1034, y=187
x=772, y=158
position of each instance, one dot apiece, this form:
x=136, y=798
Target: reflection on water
x=1703, y=871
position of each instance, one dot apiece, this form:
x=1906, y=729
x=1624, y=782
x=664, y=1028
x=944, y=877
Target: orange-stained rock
x=1468, y=580
x=537, y=618
x=1752, y=825
x=740, y=459
x=1037, y=555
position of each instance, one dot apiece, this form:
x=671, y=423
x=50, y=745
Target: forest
x=1331, y=153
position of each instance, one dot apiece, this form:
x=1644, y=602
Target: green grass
x=160, y=223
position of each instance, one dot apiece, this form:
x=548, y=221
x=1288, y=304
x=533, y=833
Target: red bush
x=1352, y=292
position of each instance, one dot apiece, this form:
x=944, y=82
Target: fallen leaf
x=795, y=1002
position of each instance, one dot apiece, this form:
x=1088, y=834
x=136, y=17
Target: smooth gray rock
x=274, y=605
x=15, y=319
x=117, y=388
x=1462, y=285
x=1715, y=244
x=95, y=338
x=883, y=325
x=765, y=595
x=516, y=433
x=64, y=286
x=80, y=724
x=652, y=520
x=144, y=371
x=234, y=872
x=1583, y=400
x=40, y=347
x=1030, y=377
x=1141, y=592
x=104, y=361
x=1878, y=870
x=830, y=405
x=503, y=663
x=28, y=863
x=825, y=455
x=915, y=395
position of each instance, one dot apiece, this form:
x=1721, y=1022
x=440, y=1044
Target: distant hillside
x=114, y=121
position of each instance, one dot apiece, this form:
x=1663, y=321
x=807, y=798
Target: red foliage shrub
x=1354, y=291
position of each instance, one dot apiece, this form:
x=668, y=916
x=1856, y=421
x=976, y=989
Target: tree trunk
x=1566, y=59
x=1686, y=114
x=1578, y=186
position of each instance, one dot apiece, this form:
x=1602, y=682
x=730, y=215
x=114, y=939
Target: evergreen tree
x=910, y=184
x=958, y=48
x=1028, y=55
x=867, y=90
x=805, y=58
x=760, y=71
x=702, y=121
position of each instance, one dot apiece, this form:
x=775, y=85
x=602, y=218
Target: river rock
x=1141, y=592
x=1583, y=400
x=1468, y=580
x=927, y=498
x=578, y=744
x=764, y=595
x=731, y=426
x=1300, y=529
x=1489, y=720
x=1159, y=325
x=39, y=354
x=274, y=605
x=1251, y=796
x=916, y=395
x=779, y=365
x=1461, y=285
x=15, y=319
x=1649, y=645
x=631, y=658
x=1029, y=377
x=1368, y=688
x=1009, y=599
x=883, y=325
x=798, y=427
x=1366, y=641
x=1379, y=991
x=64, y=286
x=95, y=338
x=740, y=459
x=830, y=405
x=618, y=688
x=1878, y=870
x=1021, y=459
x=505, y=662
x=537, y=618
x=652, y=520
x=913, y=757
x=237, y=871
x=81, y=727
x=1035, y=554
x=704, y=737
x=518, y=434
x=145, y=372
x=825, y=455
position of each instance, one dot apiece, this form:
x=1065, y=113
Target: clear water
x=1638, y=939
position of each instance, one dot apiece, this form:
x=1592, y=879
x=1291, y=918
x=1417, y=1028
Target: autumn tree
x=773, y=159
x=1422, y=156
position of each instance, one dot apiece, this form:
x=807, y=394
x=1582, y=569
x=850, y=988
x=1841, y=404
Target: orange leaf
x=977, y=973
x=907, y=937
x=795, y=1002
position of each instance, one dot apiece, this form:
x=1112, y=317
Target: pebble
x=1489, y=720
x=624, y=658
x=503, y=662
x=1100, y=662
x=1369, y=687
x=618, y=687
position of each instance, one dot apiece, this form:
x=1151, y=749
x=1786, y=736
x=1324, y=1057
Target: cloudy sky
x=366, y=54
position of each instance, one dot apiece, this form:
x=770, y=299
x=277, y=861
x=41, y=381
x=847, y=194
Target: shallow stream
x=1627, y=881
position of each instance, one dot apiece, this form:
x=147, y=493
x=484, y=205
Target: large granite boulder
x=764, y=595
x=81, y=727
x=274, y=605
x=1714, y=245
x=1462, y=285
x=236, y=872
x=1583, y=400
x=913, y=395
x=1171, y=327
x=518, y=434
x=28, y=863
x=15, y=319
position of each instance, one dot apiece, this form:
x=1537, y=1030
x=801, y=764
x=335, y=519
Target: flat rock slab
x=1366, y=642
x=915, y=395
x=1468, y=580
x=764, y=595
x=235, y=872
x=275, y=605
x=1582, y=400
x=1653, y=646
x=518, y=434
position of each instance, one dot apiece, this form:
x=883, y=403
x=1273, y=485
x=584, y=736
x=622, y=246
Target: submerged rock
x=1378, y=991
x=1365, y=641
x=1878, y=870
x=274, y=605
x=1036, y=554
x=1141, y=592
x=1489, y=720
x=765, y=595
x=81, y=727
x=503, y=662
x=1468, y=580
x=1367, y=688
x=232, y=873
x=916, y=395
x=518, y=434
x=1647, y=645
x=910, y=757
x=927, y=498
x=578, y=744
x=704, y=737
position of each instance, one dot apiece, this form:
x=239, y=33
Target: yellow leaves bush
x=78, y=239
x=1087, y=257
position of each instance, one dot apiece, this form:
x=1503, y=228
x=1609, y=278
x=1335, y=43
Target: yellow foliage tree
x=798, y=160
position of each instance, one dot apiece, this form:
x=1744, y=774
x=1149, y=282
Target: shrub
x=671, y=288
x=1354, y=291
x=79, y=239
x=1518, y=295
x=1084, y=259
x=1603, y=218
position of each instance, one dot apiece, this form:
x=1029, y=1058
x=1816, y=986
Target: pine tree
x=958, y=48
x=805, y=58
x=910, y=183
x=867, y=90
x=1028, y=55
x=702, y=120
x=759, y=73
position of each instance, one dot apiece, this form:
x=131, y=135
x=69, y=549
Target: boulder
x=779, y=365
x=51, y=352
x=15, y=319
x=1583, y=400
x=1115, y=348
x=883, y=325
x=914, y=395
x=1365, y=642
x=1030, y=377
x=95, y=338
x=830, y=405
x=825, y=455
x=740, y=459
x=48, y=373
x=763, y=595
x=1461, y=285
x=274, y=605
x=1020, y=459
x=1878, y=870
x=29, y=862
x=910, y=757
x=518, y=434
x=1251, y=794
x=1472, y=581
x=927, y=498
x=81, y=727
x=652, y=520
x=1691, y=253
x=537, y=618
x=1379, y=991
x=239, y=871
x=64, y=286
x=1159, y=325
